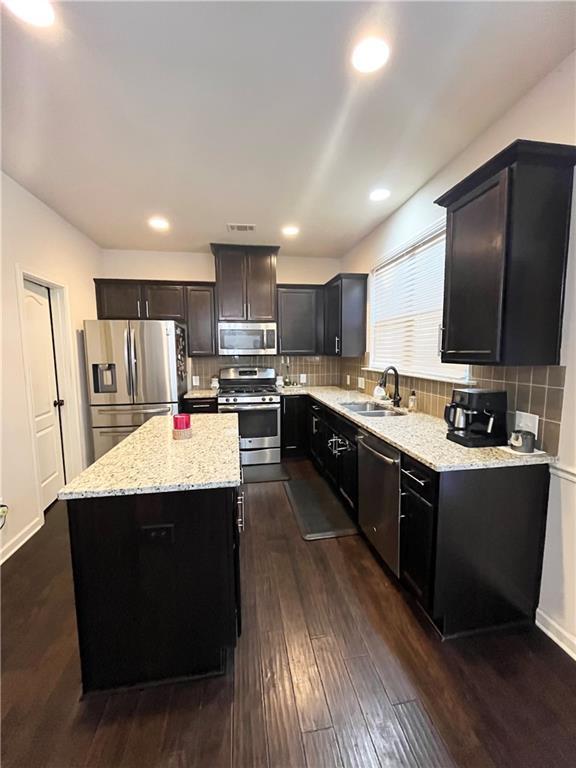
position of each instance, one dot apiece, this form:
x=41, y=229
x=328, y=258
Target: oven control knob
x=263, y=399
x=234, y=399
x=270, y=398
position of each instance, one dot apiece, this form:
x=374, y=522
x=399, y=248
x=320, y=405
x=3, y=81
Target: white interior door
x=42, y=376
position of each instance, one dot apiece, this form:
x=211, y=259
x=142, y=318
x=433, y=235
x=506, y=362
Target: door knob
x=58, y=403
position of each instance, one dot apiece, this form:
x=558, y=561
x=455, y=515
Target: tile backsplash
x=320, y=370
x=535, y=390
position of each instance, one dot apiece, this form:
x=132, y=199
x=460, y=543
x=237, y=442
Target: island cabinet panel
x=507, y=235
x=156, y=585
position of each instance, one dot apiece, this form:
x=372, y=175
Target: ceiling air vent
x=240, y=227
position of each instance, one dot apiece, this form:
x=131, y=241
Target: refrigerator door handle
x=126, y=360
x=133, y=362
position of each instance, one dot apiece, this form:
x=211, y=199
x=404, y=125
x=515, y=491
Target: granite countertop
x=199, y=393
x=151, y=461
x=421, y=436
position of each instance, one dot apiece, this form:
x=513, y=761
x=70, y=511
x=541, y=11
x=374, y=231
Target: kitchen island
x=155, y=552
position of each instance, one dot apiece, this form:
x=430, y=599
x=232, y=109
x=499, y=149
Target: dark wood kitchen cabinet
x=345, y=315
x=163, y=301
x=201, y=320
x=245, y=282
x=333, y=449
x=506, y=255
x=294, y=431
x=118, y=299
x=300, y=319
x=156, y=585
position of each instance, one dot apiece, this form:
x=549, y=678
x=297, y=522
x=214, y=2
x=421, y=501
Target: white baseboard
x=555, y=632
x=11, y=546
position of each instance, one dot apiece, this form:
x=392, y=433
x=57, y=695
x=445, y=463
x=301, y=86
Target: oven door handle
x=235, y=408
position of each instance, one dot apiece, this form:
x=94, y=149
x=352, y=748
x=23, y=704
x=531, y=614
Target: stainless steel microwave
x=247, y=339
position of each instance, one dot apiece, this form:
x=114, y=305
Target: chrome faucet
x=382, y=383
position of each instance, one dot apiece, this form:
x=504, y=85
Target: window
x=406, y=311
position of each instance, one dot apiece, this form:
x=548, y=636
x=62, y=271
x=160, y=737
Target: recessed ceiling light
x=370, y=55
x=290, y=230
x=159, y=223
x=377, y=195
x=39, y=13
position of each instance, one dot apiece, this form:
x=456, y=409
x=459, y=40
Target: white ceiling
x=248, y=112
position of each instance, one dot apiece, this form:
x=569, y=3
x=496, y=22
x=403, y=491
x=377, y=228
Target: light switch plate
x=195, y=381
x=348, y=379
x=361, y=382
x=527, y=421
x=302, y=378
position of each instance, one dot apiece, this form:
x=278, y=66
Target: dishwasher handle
x=385, y=459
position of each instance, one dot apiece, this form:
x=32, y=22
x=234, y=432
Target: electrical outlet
x=302, y=378
x=361, y=382
x=527, y=421
x=348, y=379
x=195, y=381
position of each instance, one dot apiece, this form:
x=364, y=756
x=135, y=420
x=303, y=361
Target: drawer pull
x=416, y=479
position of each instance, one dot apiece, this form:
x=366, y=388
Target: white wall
x=42, y=243
x=546, y=113
x=172, y=265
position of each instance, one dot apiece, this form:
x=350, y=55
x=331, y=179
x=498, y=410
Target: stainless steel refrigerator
x=136, y=369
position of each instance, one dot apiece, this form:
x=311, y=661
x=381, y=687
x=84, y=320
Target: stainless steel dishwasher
x=379, y=498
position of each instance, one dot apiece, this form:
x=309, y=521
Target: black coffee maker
x=476, y=418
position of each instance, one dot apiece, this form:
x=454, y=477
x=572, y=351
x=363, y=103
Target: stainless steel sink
x=372, y=409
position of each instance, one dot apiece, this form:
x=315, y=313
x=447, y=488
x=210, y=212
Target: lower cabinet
x=467, y=543
x=199, y=405
x=294, y=432
x=418, y=510
x=332, y=447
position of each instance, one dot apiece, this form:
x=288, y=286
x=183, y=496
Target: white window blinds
x=406, y=310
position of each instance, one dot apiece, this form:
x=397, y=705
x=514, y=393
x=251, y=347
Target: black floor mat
x=319, y=513
x=265, y=473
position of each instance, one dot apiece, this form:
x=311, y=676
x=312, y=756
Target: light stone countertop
x=151, y=461
x=421, y=436
x=199, y=393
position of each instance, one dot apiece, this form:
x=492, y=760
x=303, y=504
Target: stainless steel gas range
x=251, y=393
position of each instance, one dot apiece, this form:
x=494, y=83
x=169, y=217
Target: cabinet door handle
x=138, y=306
x=147, y=309
x=240, y=518
x=249, y=315
x=337, y=345
x=468, y=351
x=440, y=339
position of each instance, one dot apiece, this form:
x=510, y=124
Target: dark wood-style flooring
x=333, y=669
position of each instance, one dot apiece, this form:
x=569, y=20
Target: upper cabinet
x=163, y=301
x=246, y=282
x=189, y=303
x=201, y=320
x=345, y=315
x=300, y=319
x=140, y=300
x=118, y=299
x=506, y=253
